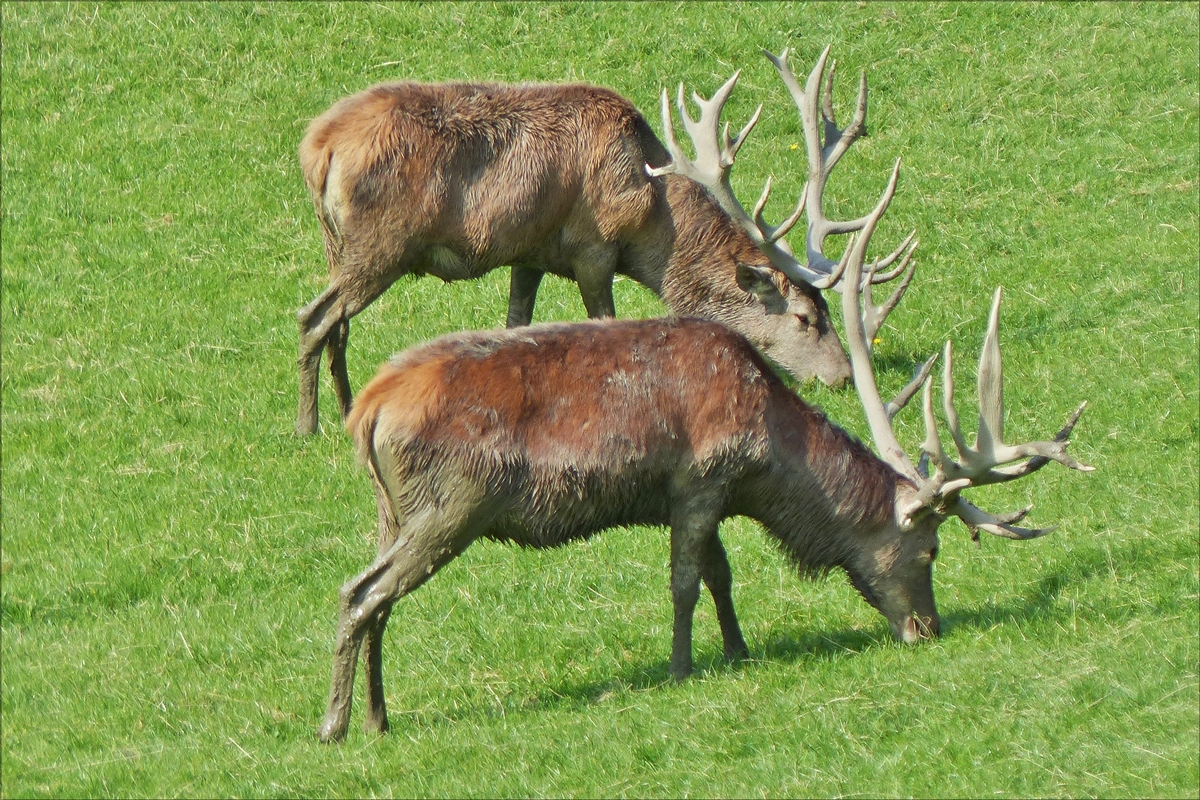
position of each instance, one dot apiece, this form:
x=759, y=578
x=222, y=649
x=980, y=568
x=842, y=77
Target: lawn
x=171, y=551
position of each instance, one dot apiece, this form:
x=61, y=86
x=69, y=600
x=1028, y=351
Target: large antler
x=978, y=465
x=715, y=155
x=823, y=157
x=981, y=464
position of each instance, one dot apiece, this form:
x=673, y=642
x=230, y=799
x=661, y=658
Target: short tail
x=389, y=411
x=316, y=156
x=361, y=424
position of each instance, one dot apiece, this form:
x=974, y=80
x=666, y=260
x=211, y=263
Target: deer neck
x=700, y=275
x=829, y=490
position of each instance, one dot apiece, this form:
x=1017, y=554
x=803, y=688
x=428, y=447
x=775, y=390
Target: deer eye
x=804, y=321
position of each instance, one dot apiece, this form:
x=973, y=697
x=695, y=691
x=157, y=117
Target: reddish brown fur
x=457, y=179
x=550, y=433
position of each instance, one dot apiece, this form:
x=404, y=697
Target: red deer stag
x=552, y=433
x=457, y=179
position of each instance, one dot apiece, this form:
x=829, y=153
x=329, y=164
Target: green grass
x=172, y=553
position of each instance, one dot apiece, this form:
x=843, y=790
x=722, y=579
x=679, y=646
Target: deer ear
x=758, y=281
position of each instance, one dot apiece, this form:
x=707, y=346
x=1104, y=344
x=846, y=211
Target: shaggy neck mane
x=834, y=486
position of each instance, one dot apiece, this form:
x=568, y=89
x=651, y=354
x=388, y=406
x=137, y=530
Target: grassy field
x=172, y=552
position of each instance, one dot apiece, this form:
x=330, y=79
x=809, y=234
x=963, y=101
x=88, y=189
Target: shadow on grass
x=1039, y=603
x=808, y=646
x=800, y=646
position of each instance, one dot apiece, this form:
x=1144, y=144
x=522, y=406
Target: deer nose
x=915, y=628
x=837, y=378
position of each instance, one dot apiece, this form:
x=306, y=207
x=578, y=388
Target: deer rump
x=554, y=432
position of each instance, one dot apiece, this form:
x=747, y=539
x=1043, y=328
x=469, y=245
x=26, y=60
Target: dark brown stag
x=552, y=433
x=457, y=179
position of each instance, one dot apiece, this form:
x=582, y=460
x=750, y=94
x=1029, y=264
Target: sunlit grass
x=172, y=553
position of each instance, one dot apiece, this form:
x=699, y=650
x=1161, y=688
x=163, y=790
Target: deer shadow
x=796, y=646
x=799, y=645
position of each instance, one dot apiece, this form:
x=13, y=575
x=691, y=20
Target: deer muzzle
x=916, y=627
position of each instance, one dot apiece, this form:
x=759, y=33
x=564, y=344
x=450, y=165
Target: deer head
x=716, y=153
x=938, y=480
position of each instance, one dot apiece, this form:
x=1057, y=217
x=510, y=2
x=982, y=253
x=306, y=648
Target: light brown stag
x=457, y=179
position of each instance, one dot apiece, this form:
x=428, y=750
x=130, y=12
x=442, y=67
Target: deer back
x=569, y=428
x=487, y=171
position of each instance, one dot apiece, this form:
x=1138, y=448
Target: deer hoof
x=332, y=730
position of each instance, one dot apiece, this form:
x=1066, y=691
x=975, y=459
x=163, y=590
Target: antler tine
x=932, y=446
x=869, y=269
x=875, y=315
x=920, y=378
x=713, y=156
x=990, y=377
x=703, y=132
x=889, y=259
x=838, y=141
x=677, y=156
x=739, y=140
x=960, y=441
x=831, y=128
x=780, y=230
x=997, y=525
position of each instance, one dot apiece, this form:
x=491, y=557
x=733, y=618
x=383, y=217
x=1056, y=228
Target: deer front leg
x=421, y=549
x=522, y=292
x=714, y=568
x=693, y=524
x=376, y=720
x=594, y=270
x=685, y=591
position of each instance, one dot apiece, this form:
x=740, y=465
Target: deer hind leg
x=326, y=322
x=424, y=545
x=315, y=321
x=375, y=720
x=335, y=348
